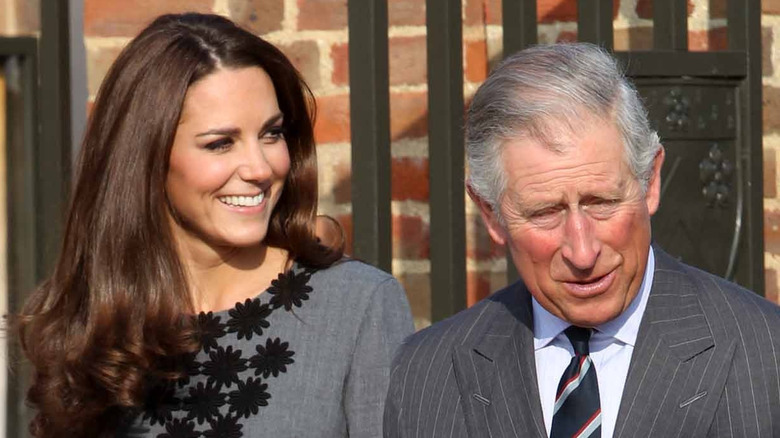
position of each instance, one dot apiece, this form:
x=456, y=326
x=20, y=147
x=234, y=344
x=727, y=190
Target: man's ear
x=489, y=217
x=653, y=195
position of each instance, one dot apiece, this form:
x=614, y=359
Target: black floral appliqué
x=290, y=289
x=224, y=366
x=203, y=402
x=160, y=404
x=249, y=397
x=180, y=428
x=224, y=427
x=189, y=367
x=209, y=329
x=271, y=359
x=248, y=318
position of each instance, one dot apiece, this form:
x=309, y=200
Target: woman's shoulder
x=348, y=271
x=358, y=285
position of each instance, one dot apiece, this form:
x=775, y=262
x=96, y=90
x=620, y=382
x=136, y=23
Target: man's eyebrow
x=526, y=206
x=232, y=131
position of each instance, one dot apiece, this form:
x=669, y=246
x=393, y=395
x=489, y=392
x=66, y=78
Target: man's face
x=576, y=221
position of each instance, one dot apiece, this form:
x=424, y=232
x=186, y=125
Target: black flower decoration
x=224, y=366
x=271, y=359
x=190, y=367
x=290, y=289
x=248, y=318
x=180, y=428
x=203, y=402
x=224, y=427
x=160, y=403
x=209, y=330
x=249, y=397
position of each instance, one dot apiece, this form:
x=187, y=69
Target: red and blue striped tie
x=577, y=412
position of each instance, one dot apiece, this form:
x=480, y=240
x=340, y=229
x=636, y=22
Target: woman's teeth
x=243, y=201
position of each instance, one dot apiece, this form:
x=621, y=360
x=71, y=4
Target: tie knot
x=579, y=337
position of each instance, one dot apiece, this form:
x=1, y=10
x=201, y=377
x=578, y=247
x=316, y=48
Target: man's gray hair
x=542, y=87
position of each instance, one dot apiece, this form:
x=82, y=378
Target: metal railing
x=669, y=59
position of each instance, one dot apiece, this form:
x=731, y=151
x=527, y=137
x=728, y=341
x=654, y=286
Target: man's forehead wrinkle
x=600, y=181
x=596, y=168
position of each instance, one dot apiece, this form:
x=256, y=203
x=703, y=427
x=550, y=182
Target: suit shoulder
x=731, y=299
x=457, y=329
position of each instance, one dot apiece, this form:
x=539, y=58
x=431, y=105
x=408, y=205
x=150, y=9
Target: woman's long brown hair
x=113, y=316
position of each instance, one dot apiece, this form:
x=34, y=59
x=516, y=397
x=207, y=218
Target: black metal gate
x=705, y=105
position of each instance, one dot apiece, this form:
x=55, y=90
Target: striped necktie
x=577, y=412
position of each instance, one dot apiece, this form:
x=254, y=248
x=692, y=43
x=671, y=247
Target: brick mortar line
x=397, y=31
x=411, y=208
x=325, y=66
x=401, y=266
x=410, y=148
x=10, y=18
x=221, y=7
x=409, y=88
x=774, y=56
x=333, y=90
x=771, y=260
x=771, y=19
x=290, y=17
x=289, y=36
x=496, y=265
x=340, y=90
x=397, y=208
x=324, y=207
x=632, y=23
x=627, y=10
x=95, y=42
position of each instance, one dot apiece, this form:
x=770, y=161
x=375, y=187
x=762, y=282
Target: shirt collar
x=624, y=328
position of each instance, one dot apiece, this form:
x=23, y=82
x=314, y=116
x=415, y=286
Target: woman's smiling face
x=229, y=160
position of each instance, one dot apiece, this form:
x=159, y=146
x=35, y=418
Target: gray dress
x=309, y=357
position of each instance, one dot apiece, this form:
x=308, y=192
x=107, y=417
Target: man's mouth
x=591, y=287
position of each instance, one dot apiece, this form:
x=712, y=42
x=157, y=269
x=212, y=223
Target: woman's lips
x=591, y=288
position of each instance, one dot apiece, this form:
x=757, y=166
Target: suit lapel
x=677, y=371
x=496, y=372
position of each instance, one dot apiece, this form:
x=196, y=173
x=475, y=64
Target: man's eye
x=547, y=212
x=602, y=206
x=222, y=143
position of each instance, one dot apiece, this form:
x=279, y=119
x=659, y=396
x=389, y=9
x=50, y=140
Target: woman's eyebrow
x=272, y=121
x=227, y=131
x=231, y=131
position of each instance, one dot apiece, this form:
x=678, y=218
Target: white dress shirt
x=611, y=346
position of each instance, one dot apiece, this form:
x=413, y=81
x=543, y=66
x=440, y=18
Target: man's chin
x=591, y=315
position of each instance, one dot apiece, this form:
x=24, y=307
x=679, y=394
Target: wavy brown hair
x=112, y=318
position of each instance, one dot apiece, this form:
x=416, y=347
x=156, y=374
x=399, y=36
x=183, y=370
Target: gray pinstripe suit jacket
x=705, y=365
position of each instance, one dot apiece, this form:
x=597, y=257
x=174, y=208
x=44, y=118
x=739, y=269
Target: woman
x=196, y=195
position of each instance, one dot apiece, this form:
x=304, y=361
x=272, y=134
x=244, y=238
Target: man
x=605, y=335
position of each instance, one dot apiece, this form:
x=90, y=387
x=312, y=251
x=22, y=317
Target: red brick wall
x=770, y=34
x=314, y=34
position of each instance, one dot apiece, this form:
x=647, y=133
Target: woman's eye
x=274, y=134
x=220, y=144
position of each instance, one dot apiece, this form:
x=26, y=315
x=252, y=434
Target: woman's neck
x=219, y=277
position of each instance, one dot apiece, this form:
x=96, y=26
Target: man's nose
x=581, y=248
